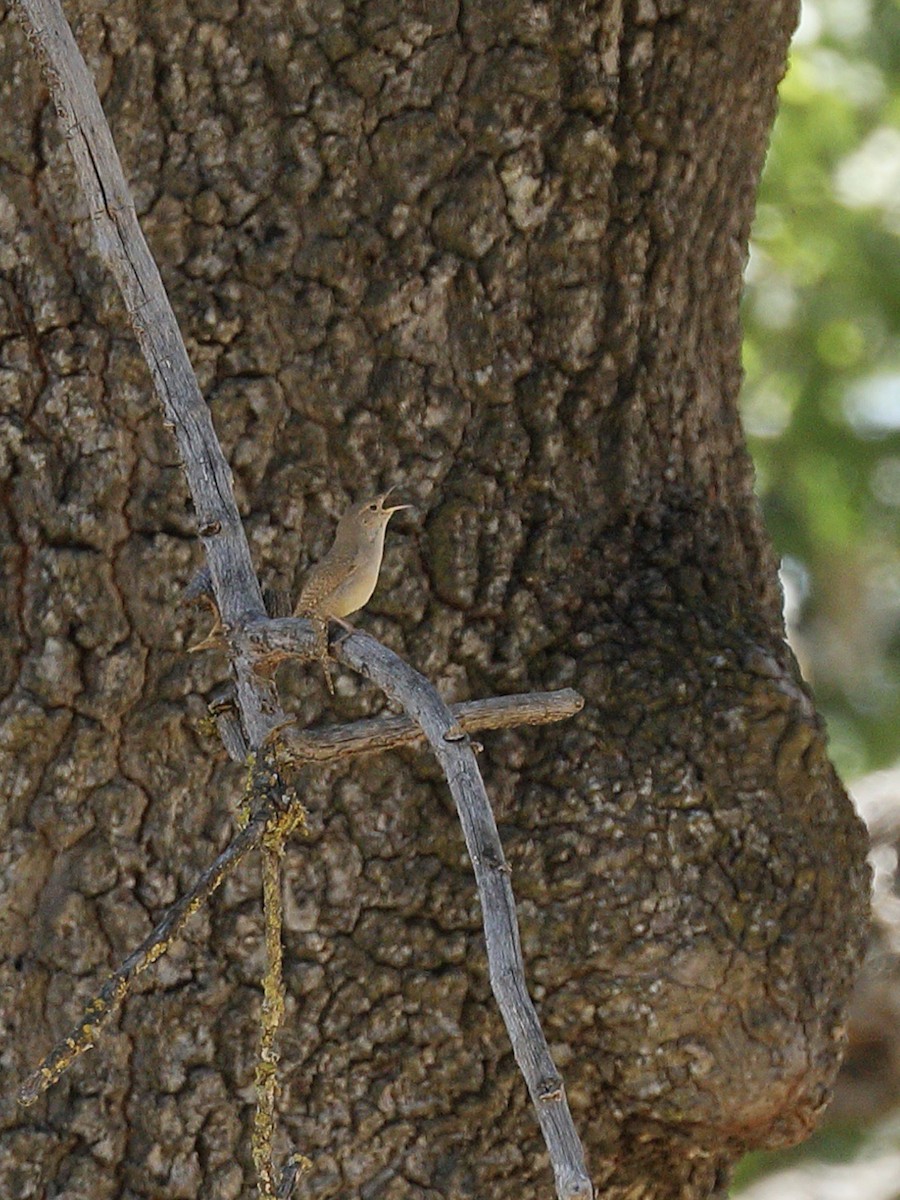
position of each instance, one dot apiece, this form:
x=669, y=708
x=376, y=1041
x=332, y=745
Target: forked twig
x=240, y=605
x=451, y=746
x=358, y=737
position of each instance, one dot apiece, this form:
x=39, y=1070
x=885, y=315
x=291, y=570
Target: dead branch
x=450, y=743
x=240, y=605
x=390, y=733
x=273, y=1184
x=124, y=250
x=98, y=1012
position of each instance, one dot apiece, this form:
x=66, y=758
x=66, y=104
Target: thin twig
x=450, y=743
x=390, y=733
x=118, y=985
x=273, y=1185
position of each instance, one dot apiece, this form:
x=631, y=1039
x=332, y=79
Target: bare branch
x=240, y=605
x=224, y=711
x=123, y=248
x=390, y=733
x=450, y=743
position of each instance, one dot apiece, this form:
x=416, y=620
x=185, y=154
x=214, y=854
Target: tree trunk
x=493, y=253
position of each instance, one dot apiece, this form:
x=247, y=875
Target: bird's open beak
x=394, y=507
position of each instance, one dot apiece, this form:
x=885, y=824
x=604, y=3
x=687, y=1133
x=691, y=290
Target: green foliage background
x=822, y=404
x=822, y=359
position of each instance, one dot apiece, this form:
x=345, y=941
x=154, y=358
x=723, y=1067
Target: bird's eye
x=373, y=508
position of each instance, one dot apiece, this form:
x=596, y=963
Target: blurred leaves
x=822, y=361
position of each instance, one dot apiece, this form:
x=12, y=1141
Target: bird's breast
x=355, y=591
x=343, y=582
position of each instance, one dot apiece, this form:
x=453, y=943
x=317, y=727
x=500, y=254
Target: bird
x=343, y=581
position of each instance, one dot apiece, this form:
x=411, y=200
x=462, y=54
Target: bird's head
x=370, y=517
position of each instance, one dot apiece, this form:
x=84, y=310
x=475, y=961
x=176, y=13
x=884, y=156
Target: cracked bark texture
x=494, y=251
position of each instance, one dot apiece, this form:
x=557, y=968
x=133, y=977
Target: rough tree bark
x=494, y=252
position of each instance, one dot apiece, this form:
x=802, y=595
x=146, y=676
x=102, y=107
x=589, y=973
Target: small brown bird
x=343, y=582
